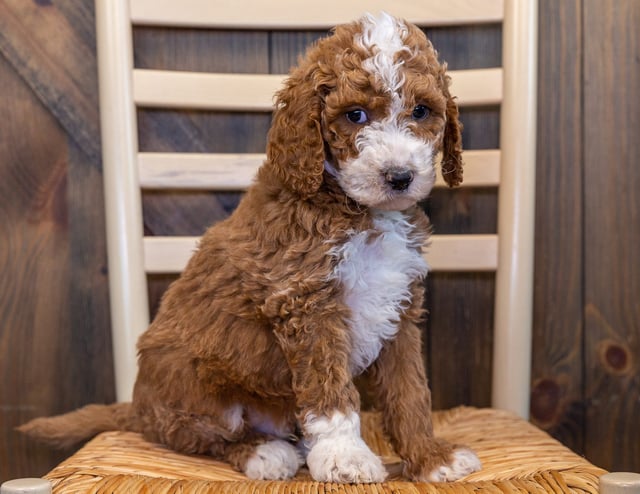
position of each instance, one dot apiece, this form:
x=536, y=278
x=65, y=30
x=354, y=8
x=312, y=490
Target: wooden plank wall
x=55, y=348
x=611, y=155
x=557, y=402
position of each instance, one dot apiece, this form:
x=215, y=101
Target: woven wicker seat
x=516, y=457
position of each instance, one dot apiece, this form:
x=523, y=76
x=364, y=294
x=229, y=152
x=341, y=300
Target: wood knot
x=546, y=395
x=615, y=358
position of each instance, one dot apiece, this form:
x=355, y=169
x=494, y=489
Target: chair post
x=516, y=210
x=128, y=287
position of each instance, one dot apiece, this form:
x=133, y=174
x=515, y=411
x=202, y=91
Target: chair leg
x=620, y=483
x=27, y=485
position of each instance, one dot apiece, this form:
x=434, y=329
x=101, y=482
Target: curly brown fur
x=315, y=278
x=74, y=427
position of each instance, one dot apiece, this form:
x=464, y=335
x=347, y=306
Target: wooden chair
x=124, y=88
x=516, y=456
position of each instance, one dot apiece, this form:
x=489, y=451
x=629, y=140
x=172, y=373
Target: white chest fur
x=376, y=269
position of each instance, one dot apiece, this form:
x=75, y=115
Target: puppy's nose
x=399, y=180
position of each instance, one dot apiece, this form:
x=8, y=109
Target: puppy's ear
x=452, y=142
x=295, y=148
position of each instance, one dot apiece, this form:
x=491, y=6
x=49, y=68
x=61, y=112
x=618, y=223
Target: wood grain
x=55, y=56
x=612, y=232
x=556, y=400
x=88, y=337
x=55, y=350
x=34, y=261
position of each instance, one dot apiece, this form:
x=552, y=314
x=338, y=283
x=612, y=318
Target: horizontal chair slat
x=288, y=14
x=462, y=253
x=445, y=253
x=222, y=172
x=206, y=91
x=255, y=92
x=225, y=172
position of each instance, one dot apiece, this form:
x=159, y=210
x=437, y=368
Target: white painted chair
x=126, y=170
x=124, y=88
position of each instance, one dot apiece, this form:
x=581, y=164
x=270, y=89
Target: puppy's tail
x=75, y=427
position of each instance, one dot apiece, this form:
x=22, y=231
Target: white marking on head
x=384, y=37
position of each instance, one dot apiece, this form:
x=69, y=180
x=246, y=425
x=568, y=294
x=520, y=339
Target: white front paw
x=347, y=461
x=464, y=462
x=338, y=453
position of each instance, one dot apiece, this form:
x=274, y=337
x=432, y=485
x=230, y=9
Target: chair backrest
x=124, y=89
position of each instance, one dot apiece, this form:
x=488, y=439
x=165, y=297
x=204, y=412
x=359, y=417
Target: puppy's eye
x=358, y=116
x=420, y=112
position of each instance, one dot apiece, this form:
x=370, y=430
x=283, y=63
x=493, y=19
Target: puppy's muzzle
x=399, y=180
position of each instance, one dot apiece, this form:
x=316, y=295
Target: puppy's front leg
x=317, y=350
x=403, y=394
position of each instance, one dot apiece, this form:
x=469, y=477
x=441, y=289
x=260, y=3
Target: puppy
x=316, y=278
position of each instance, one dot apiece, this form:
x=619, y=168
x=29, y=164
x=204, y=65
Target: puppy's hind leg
x=262, y=457
x=225, y=436
x=190, y=432
x=270, y=450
